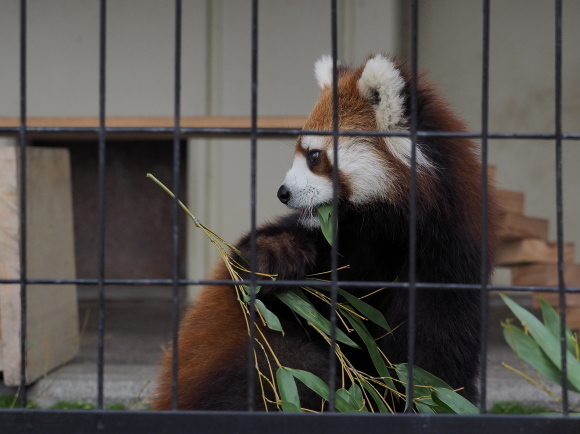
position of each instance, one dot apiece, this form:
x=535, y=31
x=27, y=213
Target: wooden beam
x=517, y=226
x=510, y=201
x=544, y=275
x=157, y=122
x=291, y=122
x=532, y=251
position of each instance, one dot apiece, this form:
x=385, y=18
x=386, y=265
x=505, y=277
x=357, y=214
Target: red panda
x=374, y=182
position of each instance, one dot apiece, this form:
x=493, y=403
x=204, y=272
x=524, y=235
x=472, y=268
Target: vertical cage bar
x=253, y=194
x=559, y=202
x=484, y=207
x=176, y=184
x=101, y=203
x=22, y=175
x=413, y=206
x=334, y=247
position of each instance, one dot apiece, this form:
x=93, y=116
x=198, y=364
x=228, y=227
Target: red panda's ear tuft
x=382, y=85
x=323, y=71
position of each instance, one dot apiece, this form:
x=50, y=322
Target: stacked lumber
x=531, y=257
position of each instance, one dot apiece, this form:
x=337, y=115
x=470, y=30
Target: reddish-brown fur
x=212, y=331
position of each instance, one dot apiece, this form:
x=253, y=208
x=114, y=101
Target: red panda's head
x=371, y=168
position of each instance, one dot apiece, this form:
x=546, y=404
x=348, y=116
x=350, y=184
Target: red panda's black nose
x=283, y=194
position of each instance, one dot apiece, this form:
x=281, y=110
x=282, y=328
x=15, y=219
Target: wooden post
x=52, y=313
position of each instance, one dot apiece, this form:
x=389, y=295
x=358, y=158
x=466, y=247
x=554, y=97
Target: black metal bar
x=186, y=131
x=58, y=421
x=23, y=211
x=176, y=207
x=101, y=203
x=354, y=284
x=253, y=195
x=484, y=203
x=559, y=203
x=62, y=421
x=334, y=246
x=413, y=206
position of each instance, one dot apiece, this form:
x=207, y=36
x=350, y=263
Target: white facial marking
x=369, y=176
x=401, y=148
x=307, y=190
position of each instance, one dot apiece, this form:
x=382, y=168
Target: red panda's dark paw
x=285, y=255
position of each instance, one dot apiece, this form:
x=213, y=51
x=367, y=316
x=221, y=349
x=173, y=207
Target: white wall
x=63, y=57
x=63, y=81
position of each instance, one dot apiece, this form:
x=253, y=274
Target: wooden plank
x=573, y=318
x=547, y=275
x=291, y=122
x=544, y=275
x=158, y=122
x=572, y=300
x=528, y=251
x=510, y=201
x=517, y=226
x=52, y=314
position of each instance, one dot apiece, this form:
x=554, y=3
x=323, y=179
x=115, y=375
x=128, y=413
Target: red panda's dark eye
x=313, y=157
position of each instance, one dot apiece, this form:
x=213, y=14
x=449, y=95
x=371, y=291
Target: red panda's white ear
x=382, y=85
x=323, y=71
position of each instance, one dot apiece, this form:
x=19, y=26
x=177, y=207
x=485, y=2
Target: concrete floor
x=138, y=331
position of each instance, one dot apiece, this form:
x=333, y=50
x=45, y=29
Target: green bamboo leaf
x=421, y=378
x=246, y=296
x=363, y=308
x=348, y=404
x=288, y=390
x=357, y=398
x=372, y=348
x=271, y=319
x=366, y=309
x=423, y=381
x=453, y=401
x=306, y=310
x=311, y=381
x=376, y=397
x=423, y=408
x=528, y=349
x=325, y=220
x=552, y=323
x=319, y=387
x=356, y=393
x=325, y=212
x=545, y=339
x=435, y=408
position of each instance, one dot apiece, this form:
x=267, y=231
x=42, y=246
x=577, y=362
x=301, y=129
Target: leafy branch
x=538, y=344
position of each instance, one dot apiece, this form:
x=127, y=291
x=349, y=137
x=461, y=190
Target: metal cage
x=46, y=421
